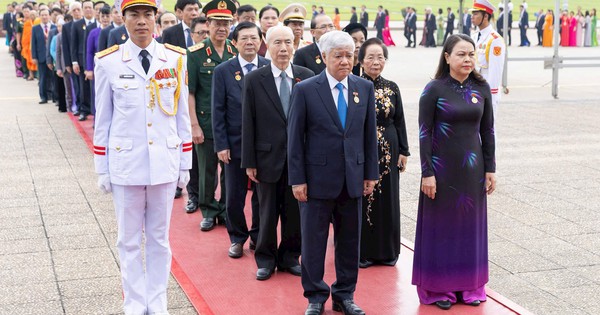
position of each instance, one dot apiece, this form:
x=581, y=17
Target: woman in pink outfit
x=573, y=29
x=387, y=36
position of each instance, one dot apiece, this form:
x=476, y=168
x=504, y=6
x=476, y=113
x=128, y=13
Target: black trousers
x=84, y=94
x=43, y=76
x=315, y=216
x=192, y=186
x=60, y=92
x=236, y=182
x=276, y=202
x=540, y=35
x=413, y=34
x=380, y=33
x=448, y=33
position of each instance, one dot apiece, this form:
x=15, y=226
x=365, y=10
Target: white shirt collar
x=486, y=31
x=243, y=61
x=135, y=50
x=333, y=82
x=276, y=72
x=185, y=27
x=92, y=20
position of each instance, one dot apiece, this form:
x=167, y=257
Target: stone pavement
x=57, y=231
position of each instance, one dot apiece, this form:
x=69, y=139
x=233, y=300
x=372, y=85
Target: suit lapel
x=268, y=83
x=328, y=101
x=352, y=105
x=235, y=67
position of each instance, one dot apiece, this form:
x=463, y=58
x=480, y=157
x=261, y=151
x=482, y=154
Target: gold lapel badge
x=356, y=99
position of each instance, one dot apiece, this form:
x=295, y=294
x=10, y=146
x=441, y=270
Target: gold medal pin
x=356, y=99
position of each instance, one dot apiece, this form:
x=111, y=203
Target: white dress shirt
x=243, y=64
x=334, y=90
x=276, y=73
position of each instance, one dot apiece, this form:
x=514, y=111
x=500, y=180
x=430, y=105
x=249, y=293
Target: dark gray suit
x=310, y=57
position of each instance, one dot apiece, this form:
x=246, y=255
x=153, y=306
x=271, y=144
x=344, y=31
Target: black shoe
x=191, y=206
x=82, y=117
x=445, y=305
x=76, y=113
x=220, y=221
x=252, y=245
x=178, y=193
x=390, y=262
x=207, y=224
x=475, y=303
x=263, y=274
x=365, y=263
x=62, y=110
x=315, y=309
x=236, y=250
x=347, y=307
x=43, y=102
x=295, y=270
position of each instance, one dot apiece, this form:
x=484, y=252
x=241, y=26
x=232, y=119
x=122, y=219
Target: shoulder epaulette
x=176, y=49
x=196, y=47
x=107, y=51
x=494, y=35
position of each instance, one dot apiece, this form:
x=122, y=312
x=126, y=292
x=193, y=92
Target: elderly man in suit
x=181, y=34
x=310, y=56
x=467, y=22
x=79, y=34
x=265, y=110
x=39, y=36
x=142, y=149
x=117, y=36
x=332, y=152
x=228, y=79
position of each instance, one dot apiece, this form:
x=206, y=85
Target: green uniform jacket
x=201, y=62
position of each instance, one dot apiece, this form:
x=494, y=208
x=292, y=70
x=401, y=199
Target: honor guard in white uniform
x=490, y=49
x=142, y=149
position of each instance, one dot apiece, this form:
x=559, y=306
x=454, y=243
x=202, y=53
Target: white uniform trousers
x=146, y=208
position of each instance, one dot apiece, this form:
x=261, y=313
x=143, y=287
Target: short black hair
x=27, y=7
x=68, y=18
x=354, y=8
x=243, y=26
x=56, y=10
x=246, y=8
x=369, y=42
x=100, y=2
x=198, y=20
x=267, y=8
x=105, y=9
x=181, y=4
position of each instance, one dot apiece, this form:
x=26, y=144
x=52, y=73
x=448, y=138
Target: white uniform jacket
x=142, y=130
x=490, y=59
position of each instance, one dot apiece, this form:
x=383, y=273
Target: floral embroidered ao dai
x=457, y=147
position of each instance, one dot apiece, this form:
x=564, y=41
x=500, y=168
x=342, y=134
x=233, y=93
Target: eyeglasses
x=326, y=27
x=200, y=33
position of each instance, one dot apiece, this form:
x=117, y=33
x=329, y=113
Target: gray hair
x=73, y=5
x=335, y=39
x=285, y=29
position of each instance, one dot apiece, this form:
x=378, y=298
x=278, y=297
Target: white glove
x=104, y=183
x=184, y=178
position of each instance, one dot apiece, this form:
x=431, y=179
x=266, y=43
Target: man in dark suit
x=539, y=25
x=227, y=132
x=68, y=75
x=449, y=24
x=117, y=20
x=39, y=35
x=310, y=56
x=117, y=36
x=379, y=22
x=265, y=110
x=79, y=34
x=466, y=23
x=431, y=27
x=413, y=27
x=7, y=22
x=364, y=16
x=166, y=20
x=353, y=17
x=524, y=26
x=332, y=152
x=181, y=34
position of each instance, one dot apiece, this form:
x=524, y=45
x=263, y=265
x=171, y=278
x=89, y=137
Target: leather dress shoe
x=191, y=206
x=82, y=117
x=236, y=250
x=389, y=262
x=252, y=245
x=178, y=193
x=315, y=309
x=263, y=274
x=76, y=113
x=475, y=303
x=295, y=270
x=365, y=263
x=43, y=102
x=445, y=304
x=347, y=307
x=207, y=224
x=220, y=221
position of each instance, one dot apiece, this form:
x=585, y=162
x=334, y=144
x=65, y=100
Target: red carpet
x=217, y=284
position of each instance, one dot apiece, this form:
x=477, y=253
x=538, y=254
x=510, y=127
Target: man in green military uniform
x=202, y=60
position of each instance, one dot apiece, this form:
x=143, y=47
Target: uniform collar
x=131, y=50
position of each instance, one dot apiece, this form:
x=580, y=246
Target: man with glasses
x=199, y=29
x=202, y=60
x=310, y=56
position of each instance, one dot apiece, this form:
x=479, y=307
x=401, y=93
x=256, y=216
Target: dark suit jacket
x=6, y=23
x=413, y=22
x=450, y=23
x=321, y=153
x=66, y=43
x=103, y=37
x=117, y=36
x=227, y=105
x=174, y=36
x=467, y=25
x=264, y=125
x=353, y=18
x=79, y=36
x=524, y=22
x=53, y=31
x=380, y=21
x=364, y=19
x=307, y=57
x=38, y=44
x=431, y=24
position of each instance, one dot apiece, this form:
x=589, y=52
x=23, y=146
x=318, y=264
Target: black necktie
x=145, y=61
x=479, y=36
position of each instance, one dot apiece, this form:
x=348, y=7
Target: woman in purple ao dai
x=457, y=164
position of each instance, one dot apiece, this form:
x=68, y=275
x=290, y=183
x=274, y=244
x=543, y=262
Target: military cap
x=352, y=27
x=125, y=4
x=293, y=12
x=219, y=10
x=483, y=5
